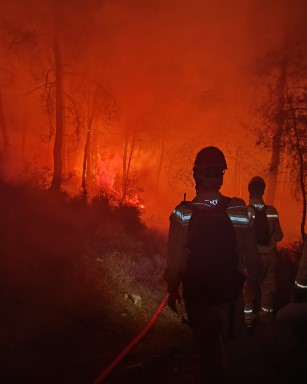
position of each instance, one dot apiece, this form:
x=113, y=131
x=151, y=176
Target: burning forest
x=103, y=106
x=118, y=98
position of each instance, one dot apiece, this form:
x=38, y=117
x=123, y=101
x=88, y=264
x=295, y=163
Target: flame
x=107, y=177
x=135, y=201
x=107, y=171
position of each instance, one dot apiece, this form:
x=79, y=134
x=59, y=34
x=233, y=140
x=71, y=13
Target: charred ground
x=69, y=273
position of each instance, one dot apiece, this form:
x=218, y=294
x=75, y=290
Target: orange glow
x=106, y=172
x=182, y=75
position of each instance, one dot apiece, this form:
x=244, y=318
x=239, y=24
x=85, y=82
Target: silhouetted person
x=214, y=324
x=295, y=312
x=268, y=233
x=291, y=321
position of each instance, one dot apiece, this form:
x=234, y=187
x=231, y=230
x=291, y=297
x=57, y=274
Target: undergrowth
x=64, y=258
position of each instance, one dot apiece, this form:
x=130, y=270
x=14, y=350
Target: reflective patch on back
x=182, y=216
x=182, y=213
x=239, y=219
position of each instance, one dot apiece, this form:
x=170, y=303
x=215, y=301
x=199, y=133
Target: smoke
x=182, y=73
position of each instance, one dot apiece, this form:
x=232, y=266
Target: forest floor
x=79, y=349
x=273, y=353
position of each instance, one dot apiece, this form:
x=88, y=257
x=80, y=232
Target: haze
x=183, y=75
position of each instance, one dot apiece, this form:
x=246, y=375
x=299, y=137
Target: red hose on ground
x=117, y=360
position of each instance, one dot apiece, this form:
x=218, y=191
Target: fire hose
x=132, y=344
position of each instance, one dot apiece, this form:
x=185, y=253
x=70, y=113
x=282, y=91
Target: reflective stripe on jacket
x=274, y=226
x=176, y=250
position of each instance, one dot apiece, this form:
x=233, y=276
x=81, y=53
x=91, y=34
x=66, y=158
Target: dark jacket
x=274, y=224
x=249, y=261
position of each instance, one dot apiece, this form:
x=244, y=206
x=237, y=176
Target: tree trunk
x=124, y=181
x=59, y=117
x=300, y=170
x=84, y=165
x=160, y=167
x=86, y=168
x=277, y=135
x=126, y=167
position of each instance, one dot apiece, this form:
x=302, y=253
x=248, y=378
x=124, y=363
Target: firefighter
x=291, y=322
x=262, y=294
x=209, y=323
x=295, y=312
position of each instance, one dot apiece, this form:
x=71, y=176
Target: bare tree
x=103, y=112
x=59, y=116
x=297, y=136
x=135, y=145
x=86, y=167
x=278, y=129
x=43, y=38
x=129, y=147
x=283, y=115
x=160, y=164
x=270, y=129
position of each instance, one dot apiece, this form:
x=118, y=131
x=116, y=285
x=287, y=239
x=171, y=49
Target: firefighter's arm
x=250, y=262
x=175, y=261
x=275, y=227
x=278, y=233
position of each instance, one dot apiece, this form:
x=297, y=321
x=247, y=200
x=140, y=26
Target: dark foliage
x=55, y=296
x=67, y=269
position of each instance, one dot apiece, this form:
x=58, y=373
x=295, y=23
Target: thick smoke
x=185, y=74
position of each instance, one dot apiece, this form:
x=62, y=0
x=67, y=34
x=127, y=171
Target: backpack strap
x=223, y=202
x=222, y=205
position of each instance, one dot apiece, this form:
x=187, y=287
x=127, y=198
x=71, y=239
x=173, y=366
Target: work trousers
x=219, y=334
x=262, y=293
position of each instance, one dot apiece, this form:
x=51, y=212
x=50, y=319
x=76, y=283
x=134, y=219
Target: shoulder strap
x=223, y=202
x=182, y=212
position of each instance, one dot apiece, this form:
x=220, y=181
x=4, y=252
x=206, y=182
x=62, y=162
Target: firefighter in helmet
x=205, y=320
x=259, y=296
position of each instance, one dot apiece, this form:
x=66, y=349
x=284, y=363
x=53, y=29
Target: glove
x=173, y=298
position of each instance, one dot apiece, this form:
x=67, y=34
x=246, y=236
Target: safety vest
x=271, y=214
x=274, y=225
x=236, y=212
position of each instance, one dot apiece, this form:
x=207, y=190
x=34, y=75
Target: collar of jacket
x=203, y=196
x=256, y=200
